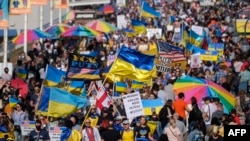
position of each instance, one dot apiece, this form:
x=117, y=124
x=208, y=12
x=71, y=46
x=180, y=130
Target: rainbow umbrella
x=79, y=31
x=201, y=88
x=107, y=9
x=32, y=34
x=57, y=29
x=69, y=16
x=101, y=26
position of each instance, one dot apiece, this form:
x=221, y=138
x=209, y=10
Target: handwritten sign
x=55, y=133
x=27, y=127
x=133, y=104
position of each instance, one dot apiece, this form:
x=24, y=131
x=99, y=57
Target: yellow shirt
x=128, y=135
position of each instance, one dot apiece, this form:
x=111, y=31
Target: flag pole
x=141, y=10
x=51, y=13
x=41, y=18
x=60, y=15
x=25, y=33
x=5, y=47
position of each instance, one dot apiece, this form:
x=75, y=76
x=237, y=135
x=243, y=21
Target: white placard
x=187, y=0
x=170, y=28
x=154, y=32
x=55, y=133
x=196, y=61
x=133, y=105
x=206, y=3
x=27, y=127
x=9, y=65
x=121, y=2
x=121, y=21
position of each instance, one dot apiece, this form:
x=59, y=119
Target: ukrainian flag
x=149, y=106
x=121, y=87
x=195, y=39
x=53, y=76
x=77, y=87
x=70, y=135
x=44, y=102
x=136, y=84
x=149, y=12
x=130, y=33
x=62, y=103
x=134, y=65
x=22, y=73
x=13, y=102
x=139, y=26
x=111, y=77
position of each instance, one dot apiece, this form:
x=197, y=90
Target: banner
x=217, y=47
x=154, y=32
x=4, y=13
x=133, y=104
x=38, y=2
x=61, y=4
x=121, y=21
x=83, y=67
x=19, y=7
x=27, y=127
x=55, y=133
x=206, y=3
x=240, y=26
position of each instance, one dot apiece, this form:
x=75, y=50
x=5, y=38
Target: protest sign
x=55, y=133
x=133, y=104
x=121, y=21
x=154, y=32
x=27, y=127
x=196, y=61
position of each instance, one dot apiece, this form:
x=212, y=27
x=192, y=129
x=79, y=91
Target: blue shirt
x=36, y=136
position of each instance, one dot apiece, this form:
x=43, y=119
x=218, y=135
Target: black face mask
x=39, y=127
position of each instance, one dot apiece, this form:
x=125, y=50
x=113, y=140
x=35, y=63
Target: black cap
x=216, y=99
x=207, y=98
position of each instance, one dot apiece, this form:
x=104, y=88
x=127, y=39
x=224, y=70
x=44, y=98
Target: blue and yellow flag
x=121, y=87
x=138, y=26
x=136, y=84
x=195, y=39
x=13, y=102
x=134, y=65
x=149, y=12
x=150, y=106
x=43, y=105
x=62, y=103
x=22, y=73
x=70, y=135
x=77, y=87
x=53, y=76
x=129, y=32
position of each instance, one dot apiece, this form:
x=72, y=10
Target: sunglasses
x=87, y=122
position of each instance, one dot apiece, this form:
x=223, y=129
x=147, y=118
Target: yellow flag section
x=75, y=136
x=93, y=121
x=152, y=125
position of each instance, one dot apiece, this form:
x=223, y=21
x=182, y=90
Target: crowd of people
x=177, y=120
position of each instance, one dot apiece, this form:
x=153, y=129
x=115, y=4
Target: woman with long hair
x=166, y=113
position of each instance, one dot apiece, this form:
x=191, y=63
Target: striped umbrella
x=101, y=26
x=57, y=29
x=32, y=34
x=80, y=31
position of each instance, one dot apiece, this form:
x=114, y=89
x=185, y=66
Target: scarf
x=90, y=133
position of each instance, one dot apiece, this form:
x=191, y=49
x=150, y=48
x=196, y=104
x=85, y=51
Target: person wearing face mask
x=39, y=134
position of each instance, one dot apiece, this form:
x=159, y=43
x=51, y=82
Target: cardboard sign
x=133, y=104
x=27, y=127
x=55, y=133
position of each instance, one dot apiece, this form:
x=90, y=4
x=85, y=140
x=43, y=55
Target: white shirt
x=209, y=109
